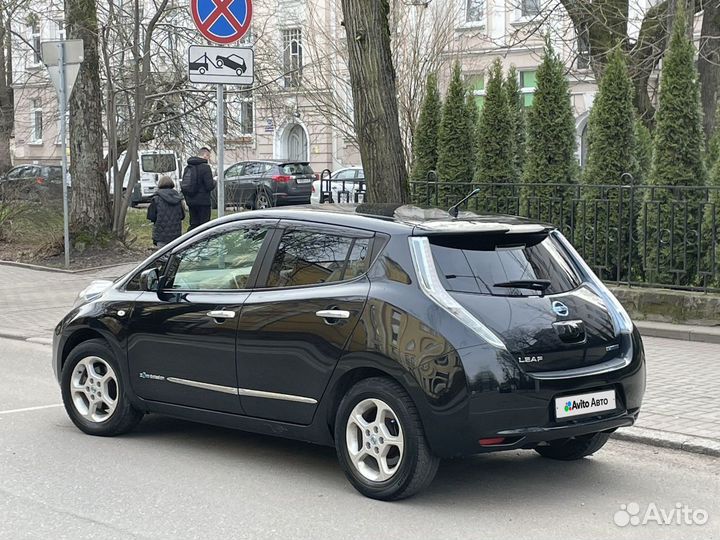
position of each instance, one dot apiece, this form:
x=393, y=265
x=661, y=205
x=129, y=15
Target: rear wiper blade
x=534, y=284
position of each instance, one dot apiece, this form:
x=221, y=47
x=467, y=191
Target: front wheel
x=575, y=448
x=381, y=443
x=94, y=392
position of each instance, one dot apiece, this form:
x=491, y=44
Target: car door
x=231, y=178
x=181, y=341
x=246, y=183
x=294, y=326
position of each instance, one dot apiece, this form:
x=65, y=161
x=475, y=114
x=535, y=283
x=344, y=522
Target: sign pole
x=63, y=148
x=221, y=149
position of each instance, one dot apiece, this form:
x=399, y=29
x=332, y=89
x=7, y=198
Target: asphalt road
x=176, y=479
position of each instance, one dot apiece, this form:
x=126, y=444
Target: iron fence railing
x=660, y=236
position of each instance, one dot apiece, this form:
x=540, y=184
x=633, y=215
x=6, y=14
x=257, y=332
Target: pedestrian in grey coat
x=166, y=211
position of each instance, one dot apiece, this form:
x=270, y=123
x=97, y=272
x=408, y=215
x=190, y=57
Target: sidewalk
x=681, y=408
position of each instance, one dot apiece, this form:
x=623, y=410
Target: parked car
x=261, y=184
x=400, y=339
x=34, y=182
x=342, y=187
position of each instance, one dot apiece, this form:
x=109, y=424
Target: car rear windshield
x=159, y=163
x=503, y=265
x=296, y=168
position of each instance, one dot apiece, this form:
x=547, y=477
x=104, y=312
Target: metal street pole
x=221, y=149
x=63, y=147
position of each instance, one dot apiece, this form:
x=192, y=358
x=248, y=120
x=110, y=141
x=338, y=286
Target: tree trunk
x=7, y=99
x=372, y=78
x=90, y=209
x=709, y=65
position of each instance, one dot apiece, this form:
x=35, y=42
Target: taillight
x=39, y=180
x=284, y=178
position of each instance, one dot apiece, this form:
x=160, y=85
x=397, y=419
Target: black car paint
x=464, y=389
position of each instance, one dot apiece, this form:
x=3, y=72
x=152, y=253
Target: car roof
x=399, y=219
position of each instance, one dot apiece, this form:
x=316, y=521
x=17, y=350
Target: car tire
x=575, y=448
x=91, y=380
x=262, y=200
x=410, y=465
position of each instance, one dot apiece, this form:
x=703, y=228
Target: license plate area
x=304, y=180
x=589, y=403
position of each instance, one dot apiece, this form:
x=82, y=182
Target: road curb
x=22, y=336
x=667, y=439
x=703, y=334
x=39, y=267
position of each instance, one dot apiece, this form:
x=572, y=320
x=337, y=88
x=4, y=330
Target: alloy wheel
x=375, y=440
x=94, y=389
x=262, y=201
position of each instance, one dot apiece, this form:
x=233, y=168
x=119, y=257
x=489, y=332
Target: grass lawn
x=36, y=236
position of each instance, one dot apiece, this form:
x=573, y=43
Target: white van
x=153, y=164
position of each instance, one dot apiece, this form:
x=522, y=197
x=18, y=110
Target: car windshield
x=296, y=168
x=503, y=265
x=158, y=163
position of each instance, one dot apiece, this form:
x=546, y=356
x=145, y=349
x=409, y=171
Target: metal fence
x=641, y=235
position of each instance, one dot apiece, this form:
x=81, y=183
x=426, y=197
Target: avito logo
x=584, y=403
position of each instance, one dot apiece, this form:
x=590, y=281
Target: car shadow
x=493, y=480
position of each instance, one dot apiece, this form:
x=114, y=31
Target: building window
x=239, y=119
x=35, y=41
x=60, y=28
x=36, y=122
x=292, y=57
x=529, y=8
x=476, y=84
x=528, y=83
x=474, y=11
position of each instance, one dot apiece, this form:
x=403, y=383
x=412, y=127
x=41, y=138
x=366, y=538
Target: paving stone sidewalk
x=681, y=408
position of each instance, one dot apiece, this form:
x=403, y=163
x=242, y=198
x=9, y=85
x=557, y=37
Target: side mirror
x=149, y=280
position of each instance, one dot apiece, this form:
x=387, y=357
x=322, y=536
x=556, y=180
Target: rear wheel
x=575, y=448
x=94, y=392
x=381, y=443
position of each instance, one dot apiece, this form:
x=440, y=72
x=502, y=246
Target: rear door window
x=296, y=168
x=306, y=257
x=503, y=265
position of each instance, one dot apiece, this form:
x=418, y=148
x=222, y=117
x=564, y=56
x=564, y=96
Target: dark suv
x=262, y=184
x=400, y=340
x=33, y=182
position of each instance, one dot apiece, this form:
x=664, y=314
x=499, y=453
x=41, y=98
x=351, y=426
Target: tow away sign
x=221, y=65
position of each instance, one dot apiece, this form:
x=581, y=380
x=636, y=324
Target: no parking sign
x=222, y=21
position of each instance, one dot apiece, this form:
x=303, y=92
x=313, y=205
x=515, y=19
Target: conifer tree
x=455, y=148
x=425, y=143
x=670, y=240
x=550, y=164
x=606, y=224
x=517, y=116
x=495, y=157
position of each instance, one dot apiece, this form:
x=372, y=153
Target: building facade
x=300, y=107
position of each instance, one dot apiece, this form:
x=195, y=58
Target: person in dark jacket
x=198, y=199
x=167, y=212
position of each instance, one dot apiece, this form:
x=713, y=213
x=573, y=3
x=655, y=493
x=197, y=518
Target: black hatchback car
x=400, y=340
x=262, y=184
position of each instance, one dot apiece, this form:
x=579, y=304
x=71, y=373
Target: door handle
x=333, y=314
x=221, y=314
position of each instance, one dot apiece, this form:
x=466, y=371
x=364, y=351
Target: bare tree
x=89, y=211
x=372, y=78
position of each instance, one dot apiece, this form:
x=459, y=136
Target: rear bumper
x=282, y=199
x=504, y=402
